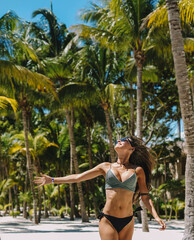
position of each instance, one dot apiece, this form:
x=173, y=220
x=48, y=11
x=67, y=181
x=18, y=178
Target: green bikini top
x=111, y=181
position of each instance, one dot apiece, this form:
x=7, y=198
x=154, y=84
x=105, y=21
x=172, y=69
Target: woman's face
x=123, y=143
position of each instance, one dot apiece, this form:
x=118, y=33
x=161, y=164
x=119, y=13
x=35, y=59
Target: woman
x=125, y=180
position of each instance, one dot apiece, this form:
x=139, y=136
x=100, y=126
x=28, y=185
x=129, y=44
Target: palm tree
x=185, y=99
x=4, y=101
x=99, y=67
x=5, y=186
x=118, y=27
x=61, y=72
x=37, y=146
x=57, y=39
x=23, y=78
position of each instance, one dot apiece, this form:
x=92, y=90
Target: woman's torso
x=120, y=187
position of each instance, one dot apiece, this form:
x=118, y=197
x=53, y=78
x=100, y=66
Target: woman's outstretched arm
x=74, y=178
x=145, y=197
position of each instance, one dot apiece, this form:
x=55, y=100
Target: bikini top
x=111, y=181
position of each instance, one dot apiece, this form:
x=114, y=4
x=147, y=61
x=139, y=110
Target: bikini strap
x=100, y=215
x=137, y=210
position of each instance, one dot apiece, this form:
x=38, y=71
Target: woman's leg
x=107, y=231
x=127, y=232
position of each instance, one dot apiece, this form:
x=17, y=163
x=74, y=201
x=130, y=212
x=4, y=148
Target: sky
x=65, y=10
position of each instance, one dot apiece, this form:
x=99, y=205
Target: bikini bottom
x=118, y=223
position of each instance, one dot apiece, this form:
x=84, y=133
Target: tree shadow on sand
x=45, y=226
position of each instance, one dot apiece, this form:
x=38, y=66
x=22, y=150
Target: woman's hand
x=44, y=180
x=162, y=223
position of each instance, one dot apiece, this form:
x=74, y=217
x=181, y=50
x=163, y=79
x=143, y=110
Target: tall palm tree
x=99, y=67
x=14, y=75
x=186, y=110
x=118, y=26
x=62, y=73
x=37, y=146
x=70, y=124
x=18, y=49
x=57, y=39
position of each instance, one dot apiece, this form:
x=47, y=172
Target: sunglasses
x=126, y=139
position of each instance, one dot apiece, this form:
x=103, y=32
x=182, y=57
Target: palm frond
x=14, y=149
x=5, y=100
x=186, y=11
x=22, y=76
x=93, y=14
x=159, y=17
x=149, y=74
x=9, y=21
x=130, y=69
x=111, y=90
x=28, y=50
x=76, y=93
x=189, y=45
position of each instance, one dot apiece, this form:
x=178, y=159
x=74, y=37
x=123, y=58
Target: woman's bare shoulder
x=139, y=171
x=104, y=165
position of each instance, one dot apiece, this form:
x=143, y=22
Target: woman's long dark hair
x=143, y=158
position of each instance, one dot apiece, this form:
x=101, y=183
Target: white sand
x=55, y=228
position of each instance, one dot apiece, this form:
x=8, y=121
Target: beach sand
x=55, y=228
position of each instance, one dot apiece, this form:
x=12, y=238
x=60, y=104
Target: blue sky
x=65, y=10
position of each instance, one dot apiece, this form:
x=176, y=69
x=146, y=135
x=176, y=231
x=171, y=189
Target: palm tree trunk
x=29, y=165
x=39, y=205
x=37, y=170
x=71, y=185
x=185, y=99
x=112, y=153
x=132, y=114
x=170, y=214
x=91, y=183
x=144, y=215
x=45, y=207
x=0, y=155
x=115, y=124
x=16, y=192
x=75, y=161
x=25, y=203
x=72, y=202
x=139, y=100
x=58, y=198
x=192, y=88
x=10, y=201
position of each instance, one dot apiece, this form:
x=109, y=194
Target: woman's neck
x=123, y=160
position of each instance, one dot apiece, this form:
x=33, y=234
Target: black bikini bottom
x=118, y=223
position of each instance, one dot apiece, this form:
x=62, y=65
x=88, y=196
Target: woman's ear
x=133, y=149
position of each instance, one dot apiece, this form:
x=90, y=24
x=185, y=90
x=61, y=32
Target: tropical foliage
x=65, y=97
